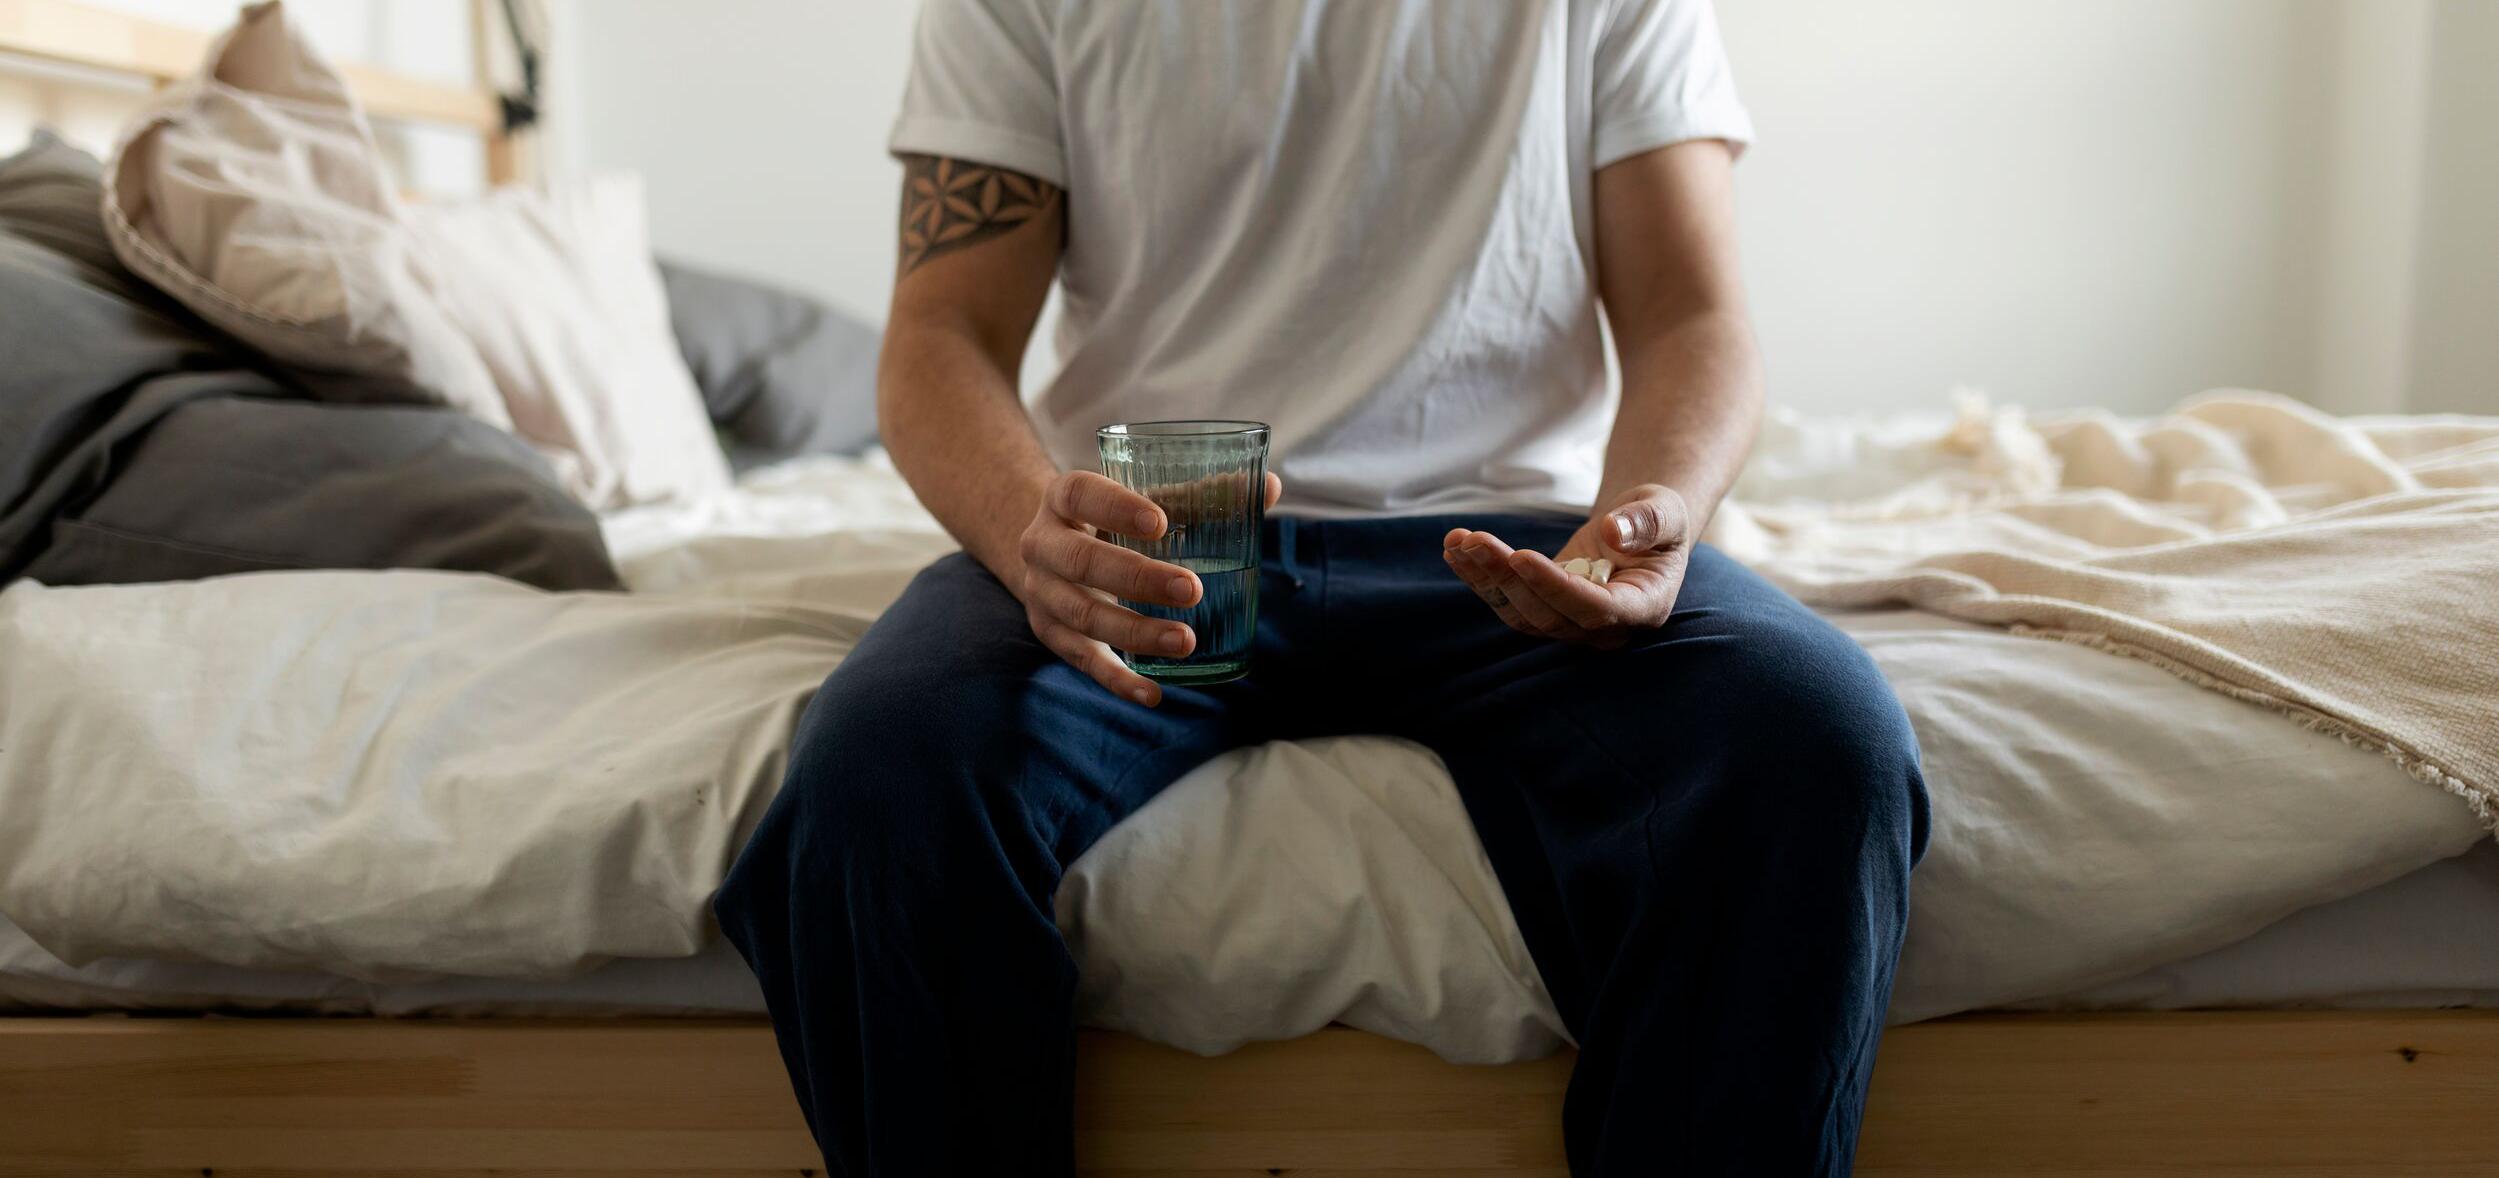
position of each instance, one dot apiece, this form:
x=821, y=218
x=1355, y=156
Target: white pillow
x=253, y=193
x=557, y=293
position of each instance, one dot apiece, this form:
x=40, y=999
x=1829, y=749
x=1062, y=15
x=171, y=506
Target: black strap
x=520, y=110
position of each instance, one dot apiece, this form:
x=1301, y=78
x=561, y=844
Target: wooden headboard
x=69, y=33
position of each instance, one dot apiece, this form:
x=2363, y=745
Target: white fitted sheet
x=2424, y=940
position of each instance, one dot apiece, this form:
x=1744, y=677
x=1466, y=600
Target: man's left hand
x=1647, y=533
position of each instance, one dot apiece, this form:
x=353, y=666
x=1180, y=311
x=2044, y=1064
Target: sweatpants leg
x=896, y=900
x=1706, y=837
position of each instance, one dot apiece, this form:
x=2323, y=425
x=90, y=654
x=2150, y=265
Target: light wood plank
x=511, y=157
x=103, y=39
x=2206, y=1093
x=2301, y=1095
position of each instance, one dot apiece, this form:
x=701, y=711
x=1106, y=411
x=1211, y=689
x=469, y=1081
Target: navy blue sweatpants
x=1706, y=837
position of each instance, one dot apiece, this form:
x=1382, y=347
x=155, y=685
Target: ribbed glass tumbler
x=1210, y=479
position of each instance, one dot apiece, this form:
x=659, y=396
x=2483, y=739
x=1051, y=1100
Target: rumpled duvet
x=2342, y=571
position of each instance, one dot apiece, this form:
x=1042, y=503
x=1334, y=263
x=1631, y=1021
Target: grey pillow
x=245, y=484
x=138, y=444
x=49, y=195
x=781, y=373
x=89, y=356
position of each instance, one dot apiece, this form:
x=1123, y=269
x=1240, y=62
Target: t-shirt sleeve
x=1662, y=77
x=984, y=87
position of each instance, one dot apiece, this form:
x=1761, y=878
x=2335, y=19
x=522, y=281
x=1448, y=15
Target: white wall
x=2368, y=244
x=2064, y=201
x=2099, y=201
x=2453, y=357
x=759, y=126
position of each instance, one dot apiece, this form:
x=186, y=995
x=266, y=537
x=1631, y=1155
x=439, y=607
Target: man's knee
x=1817, y=734
x=889, y=753
x=882, y=767
x=901, y=717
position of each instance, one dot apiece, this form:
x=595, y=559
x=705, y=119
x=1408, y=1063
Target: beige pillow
x=254, y=193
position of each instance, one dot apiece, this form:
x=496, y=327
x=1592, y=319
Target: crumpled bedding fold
x=2342, y=571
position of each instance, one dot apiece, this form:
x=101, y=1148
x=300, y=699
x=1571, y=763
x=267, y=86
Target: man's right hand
x=1071, y=577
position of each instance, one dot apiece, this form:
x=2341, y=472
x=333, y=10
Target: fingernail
x=1176, y=641
x=1145, y=523
x=1143, y=696
x=1622, y=531
x=1180, y=587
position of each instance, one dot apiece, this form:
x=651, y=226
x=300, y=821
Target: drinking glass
x=1210, y=479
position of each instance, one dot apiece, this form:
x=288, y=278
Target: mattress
x=2096, y=819
x=2421, y=941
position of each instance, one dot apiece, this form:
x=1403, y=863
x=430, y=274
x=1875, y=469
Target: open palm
x=1646, y=533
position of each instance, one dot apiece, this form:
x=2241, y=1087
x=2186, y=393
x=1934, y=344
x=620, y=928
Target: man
x=1386, y=228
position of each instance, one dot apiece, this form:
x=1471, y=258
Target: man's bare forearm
x=951, y=418
x=1691, y=374
x=1692, y=396
x=978, y=245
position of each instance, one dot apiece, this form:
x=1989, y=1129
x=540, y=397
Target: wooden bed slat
x=2029, y=1096
x=2274, y=1093
x=105, y=39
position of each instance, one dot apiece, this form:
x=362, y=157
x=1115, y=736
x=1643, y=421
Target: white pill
x=1576, y=566
x=1601, y=571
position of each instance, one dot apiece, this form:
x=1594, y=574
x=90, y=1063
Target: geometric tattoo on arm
x=948, y=204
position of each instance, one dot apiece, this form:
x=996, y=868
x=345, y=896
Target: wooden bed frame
x=61, y=32
x=2043, y=1096
x=2005, y=1096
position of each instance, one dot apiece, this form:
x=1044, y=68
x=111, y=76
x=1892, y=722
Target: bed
x=2308, y=994
x=2331, y=1036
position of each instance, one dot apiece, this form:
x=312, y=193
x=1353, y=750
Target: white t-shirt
x=1367, y=223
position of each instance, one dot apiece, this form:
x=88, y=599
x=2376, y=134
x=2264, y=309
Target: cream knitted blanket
x=2344, y=571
